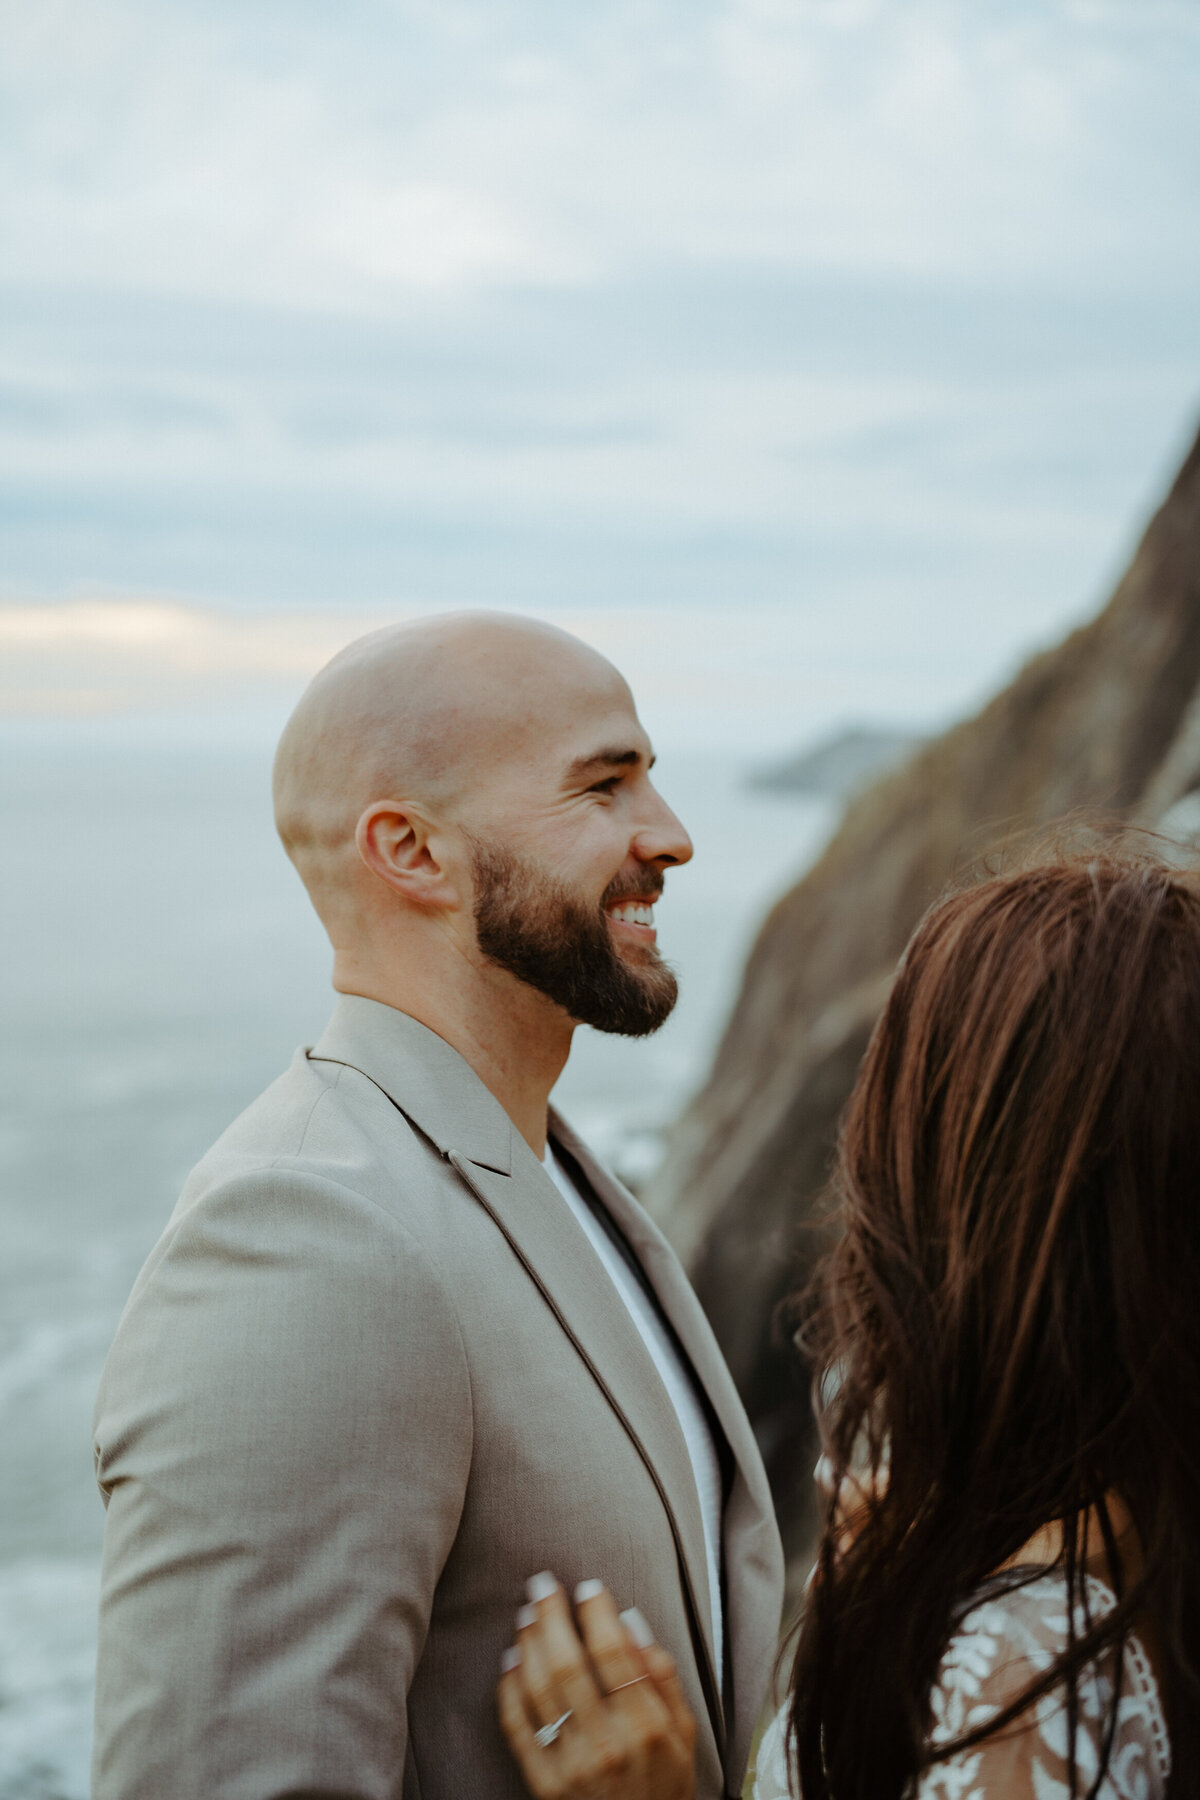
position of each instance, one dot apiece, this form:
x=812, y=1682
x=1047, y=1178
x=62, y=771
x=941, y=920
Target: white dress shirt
x=676, y=1377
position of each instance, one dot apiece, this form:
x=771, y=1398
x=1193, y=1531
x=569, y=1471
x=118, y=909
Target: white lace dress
x=1003, y=1643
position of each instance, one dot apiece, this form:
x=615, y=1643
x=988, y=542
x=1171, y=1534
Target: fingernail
x=526, y=1616
x=587, y=1590
x=510, y=1660
x=637, y=1628
x=540, y=1587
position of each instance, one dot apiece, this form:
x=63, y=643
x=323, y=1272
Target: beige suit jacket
x=372, y=1377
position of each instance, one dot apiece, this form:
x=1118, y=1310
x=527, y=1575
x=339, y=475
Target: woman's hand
x=624, y=1730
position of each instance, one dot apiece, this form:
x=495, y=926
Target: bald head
x=427, y=713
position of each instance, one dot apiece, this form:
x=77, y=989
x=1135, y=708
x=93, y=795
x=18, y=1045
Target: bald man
x=404, y=1343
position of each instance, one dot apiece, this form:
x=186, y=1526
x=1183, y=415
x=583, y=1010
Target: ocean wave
x=47, y=1669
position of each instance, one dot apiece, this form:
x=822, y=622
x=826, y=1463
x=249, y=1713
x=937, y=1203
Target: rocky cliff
x=1108, y=722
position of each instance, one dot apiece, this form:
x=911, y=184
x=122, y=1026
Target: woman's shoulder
x=1008, y=1637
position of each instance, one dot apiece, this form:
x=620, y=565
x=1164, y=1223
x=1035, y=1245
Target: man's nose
x=662, y=838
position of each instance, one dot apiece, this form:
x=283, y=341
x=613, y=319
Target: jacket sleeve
x=283, y=1436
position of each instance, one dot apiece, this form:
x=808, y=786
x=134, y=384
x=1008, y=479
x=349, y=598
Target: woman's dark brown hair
x=1010, y=1327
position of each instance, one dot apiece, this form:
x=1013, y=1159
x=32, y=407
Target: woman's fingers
x=514, y=1716
x=538, y=1774
x=625, y=1731
x=556, y=1674
x=643, y=1689
x=661, y=1667
x=614, y=1652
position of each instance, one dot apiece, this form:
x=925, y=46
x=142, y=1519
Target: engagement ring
x=544, y=1737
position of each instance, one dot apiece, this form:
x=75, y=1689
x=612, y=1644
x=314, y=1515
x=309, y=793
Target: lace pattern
x=1003, y=1643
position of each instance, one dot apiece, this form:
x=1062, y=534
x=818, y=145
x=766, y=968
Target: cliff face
x=1109, y=721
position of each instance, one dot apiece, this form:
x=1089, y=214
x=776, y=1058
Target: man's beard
x=547, y=937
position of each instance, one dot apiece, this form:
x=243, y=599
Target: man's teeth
x=633, y=913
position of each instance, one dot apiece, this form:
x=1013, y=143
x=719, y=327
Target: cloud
x=351, y=160
x=117, y=655
x=881, y=311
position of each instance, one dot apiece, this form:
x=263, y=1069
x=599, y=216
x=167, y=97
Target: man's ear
x=401, y=846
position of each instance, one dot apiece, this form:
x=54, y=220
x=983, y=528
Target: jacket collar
x=423, y=1075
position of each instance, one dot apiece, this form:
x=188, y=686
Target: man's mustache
x=631, y=888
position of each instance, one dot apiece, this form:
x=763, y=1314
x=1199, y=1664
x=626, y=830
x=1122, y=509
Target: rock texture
x=1107, y=723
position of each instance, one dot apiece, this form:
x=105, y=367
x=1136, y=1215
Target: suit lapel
x=421, y=1074
x=555, y=1250
x=753, y=1556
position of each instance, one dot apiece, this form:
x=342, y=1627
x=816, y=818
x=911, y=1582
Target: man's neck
x=514, y=1039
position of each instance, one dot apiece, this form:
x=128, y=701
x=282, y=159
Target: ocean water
x=161, y=963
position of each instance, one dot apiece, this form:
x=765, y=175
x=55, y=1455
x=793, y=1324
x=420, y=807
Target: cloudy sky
x=817, y=357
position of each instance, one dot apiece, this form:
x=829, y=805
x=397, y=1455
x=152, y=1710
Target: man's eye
x=609, y=786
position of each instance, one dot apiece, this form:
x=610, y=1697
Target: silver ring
x=546, y=1735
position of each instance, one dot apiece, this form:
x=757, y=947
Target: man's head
x=470, y=795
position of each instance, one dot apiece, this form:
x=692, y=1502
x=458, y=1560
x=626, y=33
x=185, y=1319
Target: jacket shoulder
x=322, y=1124
x=312, y=1219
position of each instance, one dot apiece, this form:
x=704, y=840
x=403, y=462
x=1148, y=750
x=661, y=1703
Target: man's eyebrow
x=615, y=758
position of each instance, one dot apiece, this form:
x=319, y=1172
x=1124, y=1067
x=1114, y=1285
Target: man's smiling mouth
x=634, y=915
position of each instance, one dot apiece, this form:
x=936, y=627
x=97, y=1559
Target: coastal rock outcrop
x=839, y=766
x=1106, y=723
